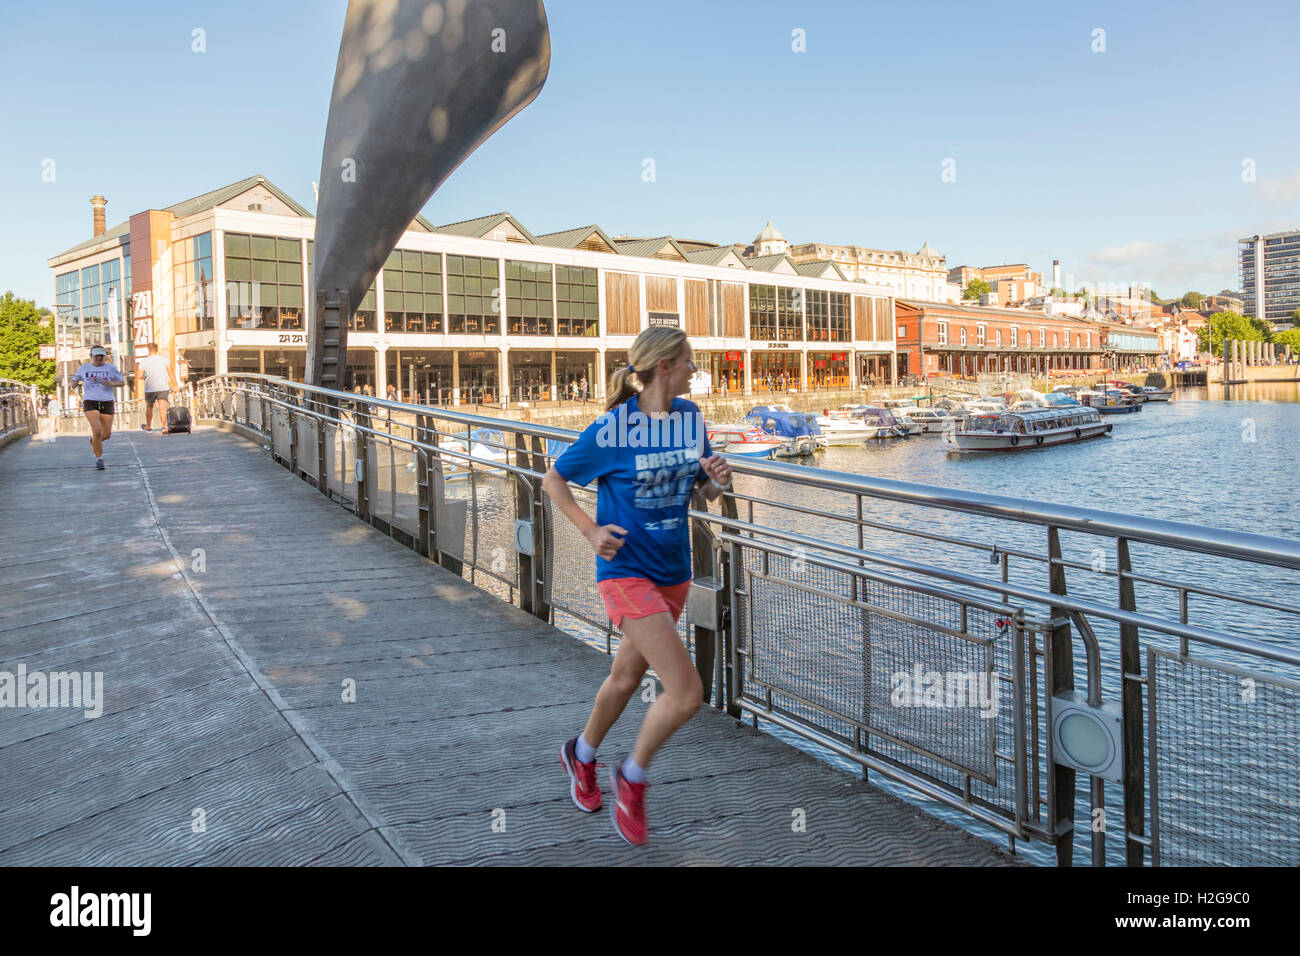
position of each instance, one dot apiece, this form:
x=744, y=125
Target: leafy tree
x=975, y=288
x=1192, y=300
x=21, y=335
x=1295, y=317
x=1057, y=292
x=1290, y=337
x=1230, y=325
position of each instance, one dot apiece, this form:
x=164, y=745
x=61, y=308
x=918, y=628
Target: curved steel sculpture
x=418, y=86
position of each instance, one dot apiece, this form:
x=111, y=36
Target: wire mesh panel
x=404, y=485
x=255, y=411
x=280, y=432
x=379, y=477
x=815, y=638
x=308, y=439
x=570, y=571
x=1237, y=805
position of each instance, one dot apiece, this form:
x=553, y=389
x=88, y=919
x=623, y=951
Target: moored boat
x=1032, y=428
x=1110, y=401
x=797, y=434
x=1154, y=394
x=743, y=439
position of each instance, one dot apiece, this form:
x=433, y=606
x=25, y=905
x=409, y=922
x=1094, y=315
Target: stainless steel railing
x=852, y=611
x=17, y=411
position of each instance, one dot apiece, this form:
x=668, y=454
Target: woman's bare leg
x=624, y=678
x=105, y=426
x=96, y=441
x=655, y=638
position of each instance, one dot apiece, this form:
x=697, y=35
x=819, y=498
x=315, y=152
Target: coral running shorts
x=641, y=597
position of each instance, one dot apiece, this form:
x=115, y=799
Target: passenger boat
x=798, y=436
x=1034, y=428
x=1110, y=401
x=743, y=439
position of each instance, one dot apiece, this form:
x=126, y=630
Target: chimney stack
x=99, y=202
x=1056, y=273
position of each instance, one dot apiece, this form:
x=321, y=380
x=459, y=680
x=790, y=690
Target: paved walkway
x=228, y=604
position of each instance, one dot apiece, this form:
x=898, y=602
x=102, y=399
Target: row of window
x=1081, y=339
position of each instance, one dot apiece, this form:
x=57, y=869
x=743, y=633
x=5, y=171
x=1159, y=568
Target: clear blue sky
x=1125, y=164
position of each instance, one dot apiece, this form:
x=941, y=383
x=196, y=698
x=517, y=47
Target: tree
x=975, y=288
x=1192, y=300
x=1057, y=292
x=1229, y=325
x=22, y=332
x=1290, y=337
x=1295, y=317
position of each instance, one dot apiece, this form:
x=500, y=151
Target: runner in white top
x=98, y=378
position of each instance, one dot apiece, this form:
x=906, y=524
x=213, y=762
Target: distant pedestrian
x=97, y=378
x=582, y=389
x=53, y=409
x=158, y=385
x=724, y=386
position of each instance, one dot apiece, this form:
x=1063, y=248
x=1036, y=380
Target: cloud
x=1281, y=191
x=1204, y=262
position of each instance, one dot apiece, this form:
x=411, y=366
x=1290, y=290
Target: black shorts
x=151, y=397
x=104, y=408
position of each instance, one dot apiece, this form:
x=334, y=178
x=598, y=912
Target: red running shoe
x=628, y=809
x=582, y=776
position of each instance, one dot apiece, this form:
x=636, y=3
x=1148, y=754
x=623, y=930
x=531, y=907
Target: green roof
x=569, y=238
x=646, y=248
x=481, y=226
x=712, y=257
x=769, y=263
x=817, y=267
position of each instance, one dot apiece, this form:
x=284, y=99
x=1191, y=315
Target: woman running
x=98, y=378
x=650, y=452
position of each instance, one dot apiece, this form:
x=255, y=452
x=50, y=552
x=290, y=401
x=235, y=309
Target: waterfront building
x=919, y=274
x=483, y=310
x=1270, y=276
x=937, y=339
x=1010, y=284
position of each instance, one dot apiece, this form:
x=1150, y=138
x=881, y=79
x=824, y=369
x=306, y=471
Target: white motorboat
x=986, y=406
x=485, y=445
x=844, y=431
x=932, y=420
x=1032, y=428
x=742, y=440
x=1157, y=394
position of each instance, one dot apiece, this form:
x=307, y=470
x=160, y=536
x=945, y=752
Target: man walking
x=158, y=383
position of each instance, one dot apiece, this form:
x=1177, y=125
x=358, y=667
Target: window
x=363, y=316
x=529, y=291
x=1055, y=342
x=67, y=293
x=577, y=309
x=902, y=331
x=998, y=338
x=192, y=283
x=827, y=316
x=963, y=335
x=473, y=296
x=1042, y=337
x=762, y=312
x=413, y=291
x=1089, y=340
x=943, y=333
x=980, y=335
x=264, y=282
x=789, y=314
x=1015, y=336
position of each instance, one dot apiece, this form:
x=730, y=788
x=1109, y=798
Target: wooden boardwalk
x=229, y=605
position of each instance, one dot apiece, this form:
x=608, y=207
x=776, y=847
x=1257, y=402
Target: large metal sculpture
x=418, y=86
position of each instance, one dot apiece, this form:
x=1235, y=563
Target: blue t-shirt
x=648, y=466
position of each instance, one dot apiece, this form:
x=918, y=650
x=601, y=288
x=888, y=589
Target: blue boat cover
x=782, y=423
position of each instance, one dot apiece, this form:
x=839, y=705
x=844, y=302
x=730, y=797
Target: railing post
x=541, y=534
x=423, y=486
x=1131, y=703
x=362, y=419
x=1061, y=667
x=730, y=568
x=702, y=567
x=524, y=511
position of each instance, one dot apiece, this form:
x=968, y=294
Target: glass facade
x=577, y=307
x=473, y=296
x=67, y=296
x=90, y=305
x=828, y=316
x=364, y=315
x=413, y=291
x=775, y=313
x=193, y=288
x=529, y=291
x=264, y=282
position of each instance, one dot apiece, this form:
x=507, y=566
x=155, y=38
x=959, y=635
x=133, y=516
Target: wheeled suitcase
x=178, y=419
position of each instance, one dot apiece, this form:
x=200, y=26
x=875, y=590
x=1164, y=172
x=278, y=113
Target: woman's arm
x=601, y=537
x=717, y=469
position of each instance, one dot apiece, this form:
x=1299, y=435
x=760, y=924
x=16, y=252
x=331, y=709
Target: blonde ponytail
x=652, y=346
